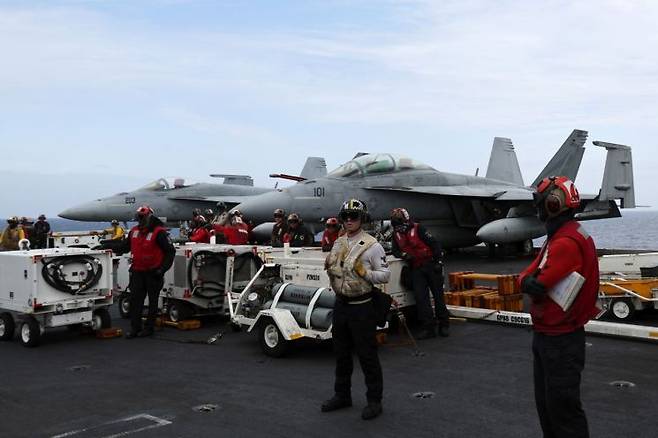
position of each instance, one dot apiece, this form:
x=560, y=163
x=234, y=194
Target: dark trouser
x=558, y=363
x=354, y=329
x=141, y=285
x=423, y=278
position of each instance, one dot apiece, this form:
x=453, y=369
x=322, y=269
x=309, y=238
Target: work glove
x=406, y=256
x=360, y=269
x=533, y=287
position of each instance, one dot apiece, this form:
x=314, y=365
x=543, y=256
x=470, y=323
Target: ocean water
x=636, y=229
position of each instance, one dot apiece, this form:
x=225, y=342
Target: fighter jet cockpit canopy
x=168, y=183
x=377, y=164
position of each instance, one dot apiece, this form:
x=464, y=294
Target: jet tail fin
x=566, y=161
x=617, y=184
x=618, y=175
x=503, y=164
x=315, y=167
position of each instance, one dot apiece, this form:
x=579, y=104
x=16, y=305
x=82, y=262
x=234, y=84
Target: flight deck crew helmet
x=354, y=209
x=294, y=218
x=399, y=216
x=209, y=212
x=114, y=222
x=332, y=222
x=42, y=217
x=144, y=210
x=13, y=220
x=196, y=212
x=279, y=213
x=555, y=195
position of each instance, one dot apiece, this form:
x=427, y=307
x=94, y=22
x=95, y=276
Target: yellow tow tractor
x=622, y=297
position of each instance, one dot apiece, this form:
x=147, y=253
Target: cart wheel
x=622, y=309
x=7, y=326
x=101, y=319
x=124, y=305
x=271, y=340
x=179, y=311
x=30, y=333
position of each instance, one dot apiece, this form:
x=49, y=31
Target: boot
x=145, y=333
x=444, y=329
x=373, y=410
x=336, y=402
x=427, y=333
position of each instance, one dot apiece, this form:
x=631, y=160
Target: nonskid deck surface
x=478, y=382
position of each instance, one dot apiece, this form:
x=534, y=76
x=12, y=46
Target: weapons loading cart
x=289, y=298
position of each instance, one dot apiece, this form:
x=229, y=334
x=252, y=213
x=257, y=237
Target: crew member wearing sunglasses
x=298, y=235
x=356, y=263
x=280, y=227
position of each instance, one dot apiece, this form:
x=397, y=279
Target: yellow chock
x=108, y=333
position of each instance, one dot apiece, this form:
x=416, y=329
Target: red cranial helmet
x=556, y=194
x=144, y=210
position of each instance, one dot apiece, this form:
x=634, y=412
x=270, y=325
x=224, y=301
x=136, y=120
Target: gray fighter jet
x=173, y=200
x=461, y=210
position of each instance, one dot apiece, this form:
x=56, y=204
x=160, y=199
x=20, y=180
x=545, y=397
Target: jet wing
x=501, y=193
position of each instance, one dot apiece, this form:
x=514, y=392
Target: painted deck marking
x=157, y=422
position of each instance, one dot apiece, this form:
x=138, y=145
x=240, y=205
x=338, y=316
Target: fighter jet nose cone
x=70, y=213
x=261, y=208
x=91, y=211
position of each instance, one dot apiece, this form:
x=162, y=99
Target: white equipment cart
x=45, y=288
x=289, y=298
x=199, y=280
x=75, y=239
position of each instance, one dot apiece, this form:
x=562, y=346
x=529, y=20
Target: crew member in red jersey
x=152, y=256
x=559, y=336
x=331, y=232
x=200, y=233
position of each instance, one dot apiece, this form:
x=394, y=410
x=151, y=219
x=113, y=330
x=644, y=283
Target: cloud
x=423, y=77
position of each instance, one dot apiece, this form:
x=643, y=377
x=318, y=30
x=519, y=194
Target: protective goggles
x=350, y=215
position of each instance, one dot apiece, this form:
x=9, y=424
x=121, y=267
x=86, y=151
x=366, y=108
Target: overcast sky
x=98, y=97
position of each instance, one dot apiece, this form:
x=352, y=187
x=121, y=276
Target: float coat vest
x=340, y=266
x=11, y=237
x=146, y=253
x=547, y=316
x=411, y=243
x=237, y=234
